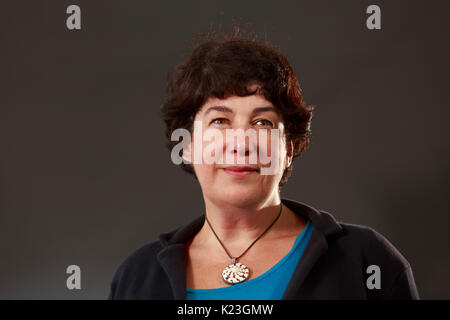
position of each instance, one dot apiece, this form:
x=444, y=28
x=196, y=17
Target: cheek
x=272, y=147
x=208, y=146
x=201, y=170
x=206, y=174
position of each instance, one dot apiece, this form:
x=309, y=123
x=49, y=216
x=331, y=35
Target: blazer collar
x=172, y=256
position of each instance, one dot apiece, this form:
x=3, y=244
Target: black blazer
x=333, y=265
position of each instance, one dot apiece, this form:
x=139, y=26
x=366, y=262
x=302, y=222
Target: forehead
x=236, y=104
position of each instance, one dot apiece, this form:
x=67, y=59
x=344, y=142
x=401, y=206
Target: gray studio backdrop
x=86, y=178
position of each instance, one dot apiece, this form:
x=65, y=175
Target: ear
x=289, y=154
x=187, y=153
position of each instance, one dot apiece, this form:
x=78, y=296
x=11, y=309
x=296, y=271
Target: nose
x=241, y=143
x=241, y=147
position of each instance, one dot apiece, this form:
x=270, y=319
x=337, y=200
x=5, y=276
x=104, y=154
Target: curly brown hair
x=224, y=65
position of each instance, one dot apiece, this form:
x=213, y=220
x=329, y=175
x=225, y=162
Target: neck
x=240, y=223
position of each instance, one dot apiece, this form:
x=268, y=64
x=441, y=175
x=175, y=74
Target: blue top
x=268, y=286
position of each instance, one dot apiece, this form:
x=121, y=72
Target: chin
x=242, y=196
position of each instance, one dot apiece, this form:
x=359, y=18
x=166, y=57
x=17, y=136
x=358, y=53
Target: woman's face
x=227, y=180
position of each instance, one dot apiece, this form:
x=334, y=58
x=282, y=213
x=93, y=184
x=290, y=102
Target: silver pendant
x=235, y=273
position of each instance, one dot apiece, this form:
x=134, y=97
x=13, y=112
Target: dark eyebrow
x=218, y=108
x=264, y=109
x=255, y=111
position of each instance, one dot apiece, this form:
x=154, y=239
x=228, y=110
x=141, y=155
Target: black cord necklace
x=237, y=272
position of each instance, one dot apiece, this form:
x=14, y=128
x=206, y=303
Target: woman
x=250, y=244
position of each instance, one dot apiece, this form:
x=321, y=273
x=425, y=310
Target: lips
x=240, y=171
x=241, y=168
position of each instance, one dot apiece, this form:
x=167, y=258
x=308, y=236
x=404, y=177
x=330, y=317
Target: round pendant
x=235, y=273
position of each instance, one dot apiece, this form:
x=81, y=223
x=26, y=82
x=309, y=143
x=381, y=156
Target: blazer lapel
x=172, y=257
x=316, y=247
x=325, y=225
x=173, y=260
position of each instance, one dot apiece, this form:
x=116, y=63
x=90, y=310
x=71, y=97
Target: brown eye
x=219, y=121
x=264, y=123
